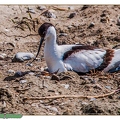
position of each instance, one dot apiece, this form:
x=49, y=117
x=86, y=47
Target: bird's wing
x=83, y=58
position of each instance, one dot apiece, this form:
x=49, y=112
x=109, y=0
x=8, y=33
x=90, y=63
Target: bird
x=78, y=58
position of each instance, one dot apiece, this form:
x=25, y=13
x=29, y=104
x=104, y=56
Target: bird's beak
x=41, y=41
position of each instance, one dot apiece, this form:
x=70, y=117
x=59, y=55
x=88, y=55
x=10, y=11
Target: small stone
x=18, y=74
x=7, y=30
x=72, y=15
x=23, y=81
x=71, y=8
x=49, y=14
x=31, y=73
x=92, y=99
x=4, y=104
x=2, y=56
x=118, y=20
x=42, y=69
x=22, y=56
x=41, y=7
x=108, y=87
x=70, y=26
x=10, y=71
x=62, y=34
x=92, y=24
x=84, y=103
x=29, y=64
x=35, y=105
x=31, y=10
x=65, y=85
x=54, y=109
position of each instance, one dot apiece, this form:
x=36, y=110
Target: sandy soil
x=92, y=25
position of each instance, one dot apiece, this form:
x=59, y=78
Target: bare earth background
x=92, y=25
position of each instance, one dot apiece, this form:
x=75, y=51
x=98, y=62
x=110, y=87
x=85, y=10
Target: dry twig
x=70, y=96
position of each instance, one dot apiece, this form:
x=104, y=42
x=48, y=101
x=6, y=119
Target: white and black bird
x=78, y=58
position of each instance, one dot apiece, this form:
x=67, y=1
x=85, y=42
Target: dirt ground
x=75, y=24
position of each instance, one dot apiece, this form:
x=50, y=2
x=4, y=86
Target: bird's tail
x=115, y=63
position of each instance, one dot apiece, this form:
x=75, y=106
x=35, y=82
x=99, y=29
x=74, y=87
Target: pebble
x=22, y=56
x=29, y=64
x=108, y=87
x=70, y=26
x=34, y=105
x=92, y=24
x=72, y=15
x=31, y=73
x=92, y=99
x=49, y=14
x=23, y=81
x=7, y=30
x=71, y=8
x=31, y=10
x=2, y=56
x=62, y=34
x=41, y=7
x=84, y=103
x=118, y=20
x=65, y=85
x=42, y=69
x=18, y=74
x=54, y=109
x=10, y=71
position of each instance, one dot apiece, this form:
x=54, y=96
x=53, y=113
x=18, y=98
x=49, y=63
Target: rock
x=31, y=73
x=62, y=34
x=92, y=99
x=108, y=87
x=31, y=10
x=118, y=21
x=18, y=74
x=7, y=30
x=2, y=56
x=42, y=69
x=29, y=64
x=49, y=14
x=22, y=56
x=67, y=86
x=71, y=8
x=10, y=71
x=92, y=24
x=84, y=103
x=41, y=7
x=72, y=15
x=23, y=81
x=54, y=109
x=70, y=26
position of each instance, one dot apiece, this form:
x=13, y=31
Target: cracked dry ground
x=18, y=33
